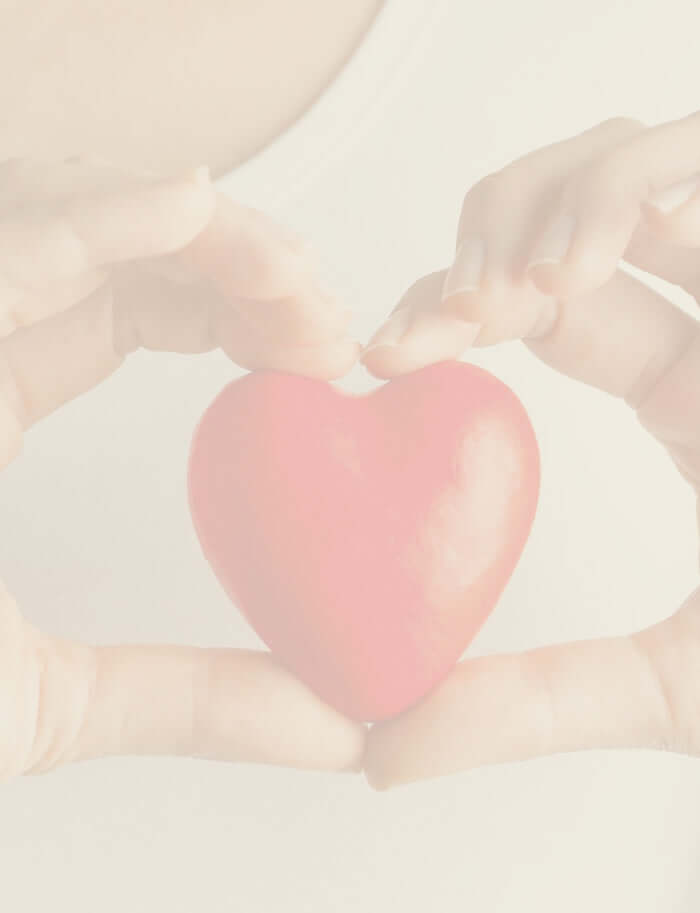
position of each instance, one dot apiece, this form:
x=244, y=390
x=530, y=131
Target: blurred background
x=374, y=176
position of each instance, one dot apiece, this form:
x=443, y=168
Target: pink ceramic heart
x=366, y=538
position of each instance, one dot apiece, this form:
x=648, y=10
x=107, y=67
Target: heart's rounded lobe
x=365, y=538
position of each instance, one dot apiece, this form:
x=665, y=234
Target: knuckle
x=509, y=184
x=666, y=380
x=593, y=181
x=612, y=173
x=493, y=193
x=673, y=652
x=502, y=186
x=201, y=707
x=62, y=696
x=663, y=731
x=603, y=180
x=480, y=194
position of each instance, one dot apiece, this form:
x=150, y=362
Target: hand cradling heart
x=365, y=538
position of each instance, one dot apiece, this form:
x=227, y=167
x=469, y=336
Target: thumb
x=221, y=704
x=638, y=691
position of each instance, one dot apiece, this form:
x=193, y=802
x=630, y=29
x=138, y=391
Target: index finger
x=214, y=703
x=246, y=254
x=623, y=338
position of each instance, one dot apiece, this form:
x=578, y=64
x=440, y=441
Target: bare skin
x=95, y=262
x=538, y=250
x=98, y=260
x=163, y=85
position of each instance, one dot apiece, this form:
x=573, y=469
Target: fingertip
x=385, y=361
x=376, y=782
x=374, y=770
x=340, y=360
x=324, y=362
x=311, y=319
x=343, y=747
x=385, y=758
x=355, y=749
x=430, y=338
x=356, y=765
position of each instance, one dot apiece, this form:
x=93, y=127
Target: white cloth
x=373, y=175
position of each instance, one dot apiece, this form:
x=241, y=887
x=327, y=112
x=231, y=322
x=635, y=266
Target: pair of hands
x=95, y=263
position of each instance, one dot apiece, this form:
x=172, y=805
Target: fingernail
x=392, y=332
x=553, y=245
x=675, y=196
x=467, y=269
x=439, y=336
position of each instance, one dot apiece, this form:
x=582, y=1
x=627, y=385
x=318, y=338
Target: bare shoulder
x=164, y=85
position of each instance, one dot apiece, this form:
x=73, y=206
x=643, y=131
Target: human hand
x=539, y=249
x=93, y=264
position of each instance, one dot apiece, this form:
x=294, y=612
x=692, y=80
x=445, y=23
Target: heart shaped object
x=365, y=538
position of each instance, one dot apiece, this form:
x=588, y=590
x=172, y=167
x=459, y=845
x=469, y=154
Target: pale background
x=99, y=493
